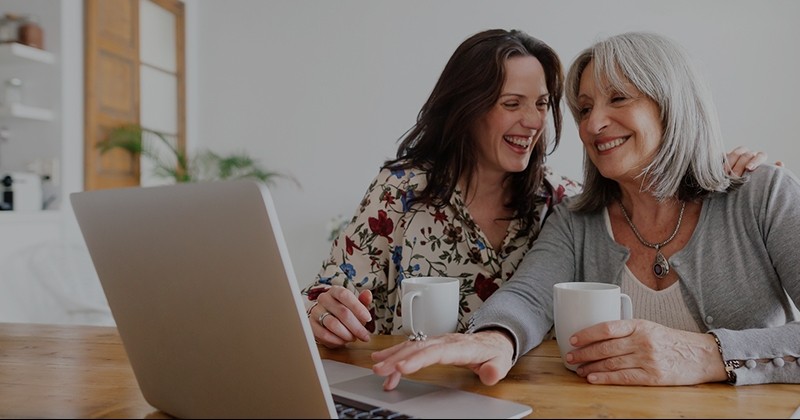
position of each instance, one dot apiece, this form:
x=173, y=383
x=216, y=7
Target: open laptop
x=199, y=282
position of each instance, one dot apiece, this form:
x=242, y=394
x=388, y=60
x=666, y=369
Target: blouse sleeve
x=562, y=186
x=360, y=256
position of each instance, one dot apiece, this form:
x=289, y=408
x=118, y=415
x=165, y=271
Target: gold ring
x=322, y=318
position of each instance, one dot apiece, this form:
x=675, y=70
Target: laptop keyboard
x=351, y=409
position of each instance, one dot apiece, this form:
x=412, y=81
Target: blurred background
x=318, y=91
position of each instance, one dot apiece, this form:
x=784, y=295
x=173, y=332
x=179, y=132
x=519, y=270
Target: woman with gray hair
x=707, y=257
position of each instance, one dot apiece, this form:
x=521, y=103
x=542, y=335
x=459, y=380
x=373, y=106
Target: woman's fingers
x=651, y=354
x=337, y=317
x=742, y=159
x=487, y=353
x=392, y=381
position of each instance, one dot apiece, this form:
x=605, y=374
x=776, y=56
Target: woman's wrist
x=505, y=336
x=727, y=366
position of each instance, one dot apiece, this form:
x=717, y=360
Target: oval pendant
x=660, y=266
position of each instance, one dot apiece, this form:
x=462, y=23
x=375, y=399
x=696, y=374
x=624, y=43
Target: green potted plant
x=204, y=166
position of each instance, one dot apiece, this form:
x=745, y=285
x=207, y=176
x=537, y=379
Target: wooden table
x=83, y=372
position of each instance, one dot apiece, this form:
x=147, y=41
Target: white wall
x=322, y=90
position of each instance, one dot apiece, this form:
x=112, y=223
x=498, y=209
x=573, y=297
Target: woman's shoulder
x=769, y=174
x=405, y=178
x=767, y=180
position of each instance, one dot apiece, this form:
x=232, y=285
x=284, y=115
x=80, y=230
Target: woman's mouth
x=608, y=145
x=519, y=141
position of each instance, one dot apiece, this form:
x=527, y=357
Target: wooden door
x=113, y=83
x=111, y=89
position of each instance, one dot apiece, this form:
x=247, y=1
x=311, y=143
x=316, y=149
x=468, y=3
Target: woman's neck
x=486, y=201
x=486, y=187
x=644, y=208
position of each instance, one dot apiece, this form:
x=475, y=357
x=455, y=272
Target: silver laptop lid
x=200, y=284
x=170, y=260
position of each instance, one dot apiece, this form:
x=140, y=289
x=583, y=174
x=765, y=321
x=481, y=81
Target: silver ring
x=322, y=318
x=420, y=336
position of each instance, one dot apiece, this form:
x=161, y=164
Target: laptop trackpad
x=372, y=386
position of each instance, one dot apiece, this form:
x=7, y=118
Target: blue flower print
x=348, y=270
x=397, y=256
x=406, y=198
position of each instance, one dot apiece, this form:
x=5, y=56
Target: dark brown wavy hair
x=442, y=141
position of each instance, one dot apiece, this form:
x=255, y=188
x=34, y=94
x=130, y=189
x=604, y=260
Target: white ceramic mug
x=578, y=305
x=430, y=305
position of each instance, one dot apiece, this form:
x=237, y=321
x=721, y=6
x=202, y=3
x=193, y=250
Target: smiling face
x=507, y=133
x=621, y=131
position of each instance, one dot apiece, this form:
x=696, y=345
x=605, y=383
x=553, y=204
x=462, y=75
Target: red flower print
x=474, y=255
x=314, y=293
x=349, y=245
x=382, y=226
x=453, y=234
x=559, y=193
x=370, y=326
x=439, y=216
x=387, y=198
x=556, y=197
x=485, y=286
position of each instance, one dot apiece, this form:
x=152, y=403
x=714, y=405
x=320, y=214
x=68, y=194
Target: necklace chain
x=639, y=236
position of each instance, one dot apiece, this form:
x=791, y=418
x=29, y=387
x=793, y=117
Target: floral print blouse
x=388, y=240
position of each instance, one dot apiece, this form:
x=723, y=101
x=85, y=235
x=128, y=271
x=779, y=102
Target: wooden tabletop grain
x=65, y=371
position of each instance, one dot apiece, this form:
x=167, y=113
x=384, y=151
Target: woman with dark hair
x=465, y=196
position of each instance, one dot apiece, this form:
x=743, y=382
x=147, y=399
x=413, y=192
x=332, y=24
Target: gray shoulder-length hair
x=690, y=162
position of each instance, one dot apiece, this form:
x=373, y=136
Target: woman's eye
x=618, y=98
x=584, y=111
x=511, y=105
x=543, y=104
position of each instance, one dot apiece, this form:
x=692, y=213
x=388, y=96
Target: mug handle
x=408, y=320
x=627, y=306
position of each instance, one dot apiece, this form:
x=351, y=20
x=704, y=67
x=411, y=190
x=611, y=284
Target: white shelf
x=30, y=216
x=15, y=52
x=11, y=53
x=27, y=112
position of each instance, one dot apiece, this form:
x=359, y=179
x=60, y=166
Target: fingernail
x=591, y=378
x=573, y=341
x=569, y=357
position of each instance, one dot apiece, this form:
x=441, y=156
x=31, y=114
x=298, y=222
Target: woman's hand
x=487, y=353
x=339, y=317
x=639, y=352
x=741, y=159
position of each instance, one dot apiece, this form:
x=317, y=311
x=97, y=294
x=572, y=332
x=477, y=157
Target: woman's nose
x=596, y=121
x=534, y=119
